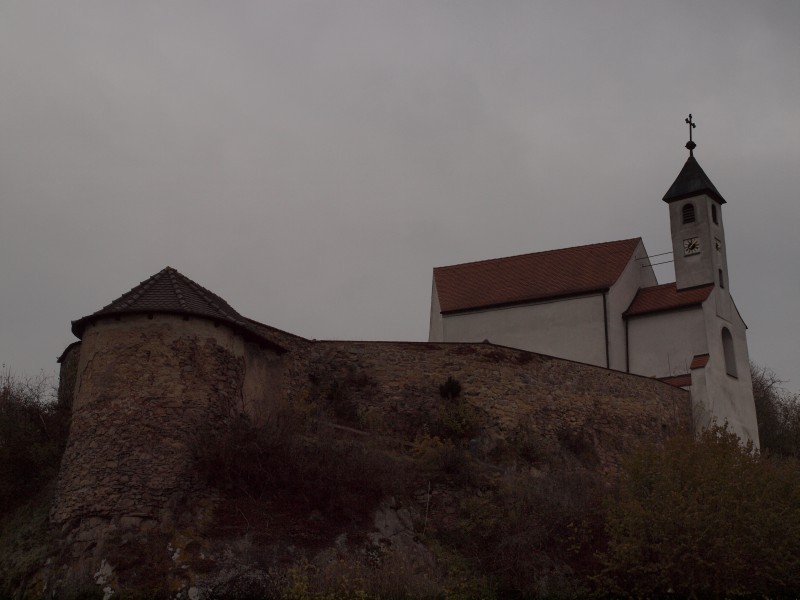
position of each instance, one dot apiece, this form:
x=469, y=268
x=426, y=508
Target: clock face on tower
x=691, y=246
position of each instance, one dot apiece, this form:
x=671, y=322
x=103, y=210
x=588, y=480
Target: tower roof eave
x=692, y=181
x=170, y=292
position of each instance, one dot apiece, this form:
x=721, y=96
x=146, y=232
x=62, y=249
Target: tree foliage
x=778, y=413
x=704, y=518
x=33, y=433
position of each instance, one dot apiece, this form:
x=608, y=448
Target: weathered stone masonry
x=148, y=385
x=511, y=388
x=145, y=389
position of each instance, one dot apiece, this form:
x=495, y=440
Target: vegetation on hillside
x=778, y=412
x=704, y=517
x=33, y=434
x=528, y=517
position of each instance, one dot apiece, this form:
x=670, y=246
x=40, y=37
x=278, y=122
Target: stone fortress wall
x=143, y=391
x=510, y=388
x=147, y=386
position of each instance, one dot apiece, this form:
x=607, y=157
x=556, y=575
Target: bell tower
x=695, y=214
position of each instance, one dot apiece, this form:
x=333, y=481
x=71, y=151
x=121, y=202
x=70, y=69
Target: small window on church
x=688, y=213
x=721, y=280
x=714, y=214
x=727, y=349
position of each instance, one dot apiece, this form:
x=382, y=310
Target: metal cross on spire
x=690, y=144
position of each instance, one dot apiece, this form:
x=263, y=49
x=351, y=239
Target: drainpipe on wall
x=627, y=355
x=605, y=326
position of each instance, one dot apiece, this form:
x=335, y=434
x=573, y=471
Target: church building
x=601, y=304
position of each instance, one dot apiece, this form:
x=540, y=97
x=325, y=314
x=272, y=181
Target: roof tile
x=666, y=297
x=699, y=361
x=531, y=277
x=168, y=291
x=678, y=380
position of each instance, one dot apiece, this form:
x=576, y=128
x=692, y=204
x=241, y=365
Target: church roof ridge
x=692, y=181
x=538, y=253
x=532, y=277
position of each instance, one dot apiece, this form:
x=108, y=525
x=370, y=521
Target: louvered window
x=688, y=213
x=714, y=214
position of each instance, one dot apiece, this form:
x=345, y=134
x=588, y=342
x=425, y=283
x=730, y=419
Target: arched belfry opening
x=728, y=351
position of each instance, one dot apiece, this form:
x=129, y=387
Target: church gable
x=532, y=277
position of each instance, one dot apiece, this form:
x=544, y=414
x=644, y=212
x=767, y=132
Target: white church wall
x=638, y=273
x=703, y=266
x=724, y=305
x=435, y=330
x=663, y=344
x=570, y=328
x=702, y=416
x=729, y=397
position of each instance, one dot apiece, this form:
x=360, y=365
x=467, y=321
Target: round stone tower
x=158, y=368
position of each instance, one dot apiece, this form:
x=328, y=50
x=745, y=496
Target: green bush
x=440, y=459
x=705, y=517
x=455, y=418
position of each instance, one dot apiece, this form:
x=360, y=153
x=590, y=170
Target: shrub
x=344, y=407
x=290, y=464
x=442, y=458
x=346, y=394
x=394, y=575
x=528, y=445
x=450, y=389
x=778, y=413
x=24, y=543
x=578, y=444
x=708, y=517
x=534, y=536
x=455, y=419
x=33, y=435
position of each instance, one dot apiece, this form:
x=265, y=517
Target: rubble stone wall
x=396, y=383
x=145, y=390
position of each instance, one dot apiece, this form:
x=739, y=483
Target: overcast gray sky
x=311, y=162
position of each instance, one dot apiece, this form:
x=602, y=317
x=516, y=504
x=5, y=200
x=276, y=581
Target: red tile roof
x=699, y=361
x=666, y=297
x=530, y=277
x=678, y=380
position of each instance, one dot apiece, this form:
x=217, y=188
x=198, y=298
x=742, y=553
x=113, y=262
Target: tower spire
x=690, y=144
